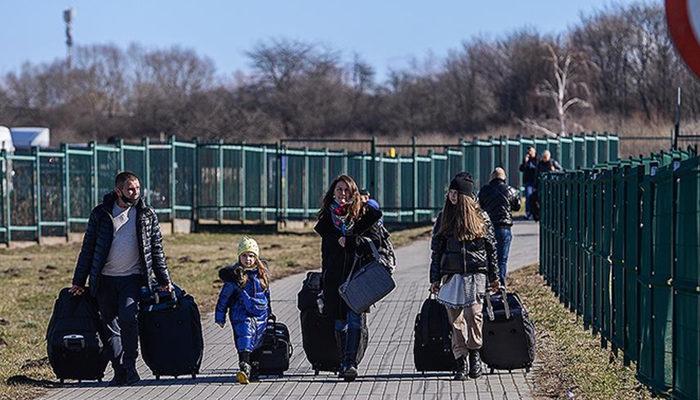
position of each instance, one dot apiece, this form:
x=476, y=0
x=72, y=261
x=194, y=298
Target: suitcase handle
x=74, y=342
x=172, y=296
x=489, y=306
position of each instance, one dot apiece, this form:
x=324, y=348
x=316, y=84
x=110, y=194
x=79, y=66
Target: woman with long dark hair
x=463, y=259
x=344, y=221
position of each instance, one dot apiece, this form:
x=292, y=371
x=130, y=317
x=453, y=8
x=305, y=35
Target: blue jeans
x=529, y=190
x=353, y=320
x=503, y=239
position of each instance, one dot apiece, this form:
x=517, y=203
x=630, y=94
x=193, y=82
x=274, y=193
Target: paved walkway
x=387, y=370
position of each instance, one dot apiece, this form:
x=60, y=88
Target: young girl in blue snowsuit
x=246, y=297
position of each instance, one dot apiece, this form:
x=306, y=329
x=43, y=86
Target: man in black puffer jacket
x=122, y=251
x=499, y=200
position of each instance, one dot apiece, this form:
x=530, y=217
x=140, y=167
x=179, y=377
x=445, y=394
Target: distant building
x=28, y=137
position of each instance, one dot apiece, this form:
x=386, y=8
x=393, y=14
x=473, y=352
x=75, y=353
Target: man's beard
x=129, y=202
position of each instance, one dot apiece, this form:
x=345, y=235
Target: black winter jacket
x=499, y=200
x=529, y=170
x=98, y=241
x=453, y=256
x=336, y=261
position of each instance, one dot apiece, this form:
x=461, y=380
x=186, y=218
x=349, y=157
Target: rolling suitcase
x=432, y=347
x=73, y=338
x=273, y=354
x=170, y=331
x=508, y=333
x=318, y=331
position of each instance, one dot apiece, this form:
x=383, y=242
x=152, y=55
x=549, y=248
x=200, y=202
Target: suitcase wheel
x=62, y=381
x=315, y=372
x=527, y=370
x=80, y=381
x=194, y=376
x=491, y=371
x=99, y=380
x=157, y=377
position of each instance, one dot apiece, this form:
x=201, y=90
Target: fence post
x=173, y=181
x=373, y=166
x=66, y=189
x=37, y=192
x=195, y=185
x=95, y=174
x=120, y=146
x=241, y=184
x=147, y=168
x=431, y=183
x=6, y=193
x=220, y=183
x=263, y=185
x=415, y=178
x=305, y=183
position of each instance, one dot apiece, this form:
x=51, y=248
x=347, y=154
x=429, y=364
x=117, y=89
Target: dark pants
x=117, y=299
x=529, y=190
x=503, y=239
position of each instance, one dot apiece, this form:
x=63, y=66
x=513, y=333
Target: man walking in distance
x=529, y=170
x=122, y=251
x=499, y=200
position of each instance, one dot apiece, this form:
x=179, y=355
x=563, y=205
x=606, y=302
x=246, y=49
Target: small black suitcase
x=508, y=334
x=432, y=347
x=273, y=355
x=318, y=331
x=74, y=338
x=170, y=330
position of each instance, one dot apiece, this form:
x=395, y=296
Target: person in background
x=499, y=200
x=529, y=170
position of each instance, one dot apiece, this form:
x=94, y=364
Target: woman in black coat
x=344, y=222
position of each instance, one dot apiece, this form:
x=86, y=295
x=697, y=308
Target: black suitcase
x=170, y=330
x=318, y=331
x=432, y=347
x=273, y=355
x=73, y=338
x=508, y=334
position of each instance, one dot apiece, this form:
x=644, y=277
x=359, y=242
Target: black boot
x=350, y=358
x=461, y=372
x=245, y=369
x=119, y=375
x=340, y=341
x=475, y=368
x=132, y=376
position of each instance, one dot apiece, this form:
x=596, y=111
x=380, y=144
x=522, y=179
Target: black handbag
x=368, y=284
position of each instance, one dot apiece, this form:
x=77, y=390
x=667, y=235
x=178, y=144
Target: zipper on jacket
x=464, y=257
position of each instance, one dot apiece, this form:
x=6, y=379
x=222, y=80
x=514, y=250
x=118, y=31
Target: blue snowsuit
x=248, y=307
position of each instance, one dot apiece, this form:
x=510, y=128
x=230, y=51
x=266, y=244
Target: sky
x=385, y=33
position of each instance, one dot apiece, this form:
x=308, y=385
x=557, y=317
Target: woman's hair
x=355, y=209
x=464, y=220
x=262, y=272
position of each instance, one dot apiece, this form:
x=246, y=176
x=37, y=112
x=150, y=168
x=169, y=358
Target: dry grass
x=30, y=279
x=571, y=359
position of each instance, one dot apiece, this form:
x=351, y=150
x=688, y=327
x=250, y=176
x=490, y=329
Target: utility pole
x=68, y=15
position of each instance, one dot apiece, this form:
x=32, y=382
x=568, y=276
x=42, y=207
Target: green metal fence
x=620, y=247
x=51, y=192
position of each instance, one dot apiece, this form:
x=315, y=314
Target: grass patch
x=31, y=278
x=570, y=359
